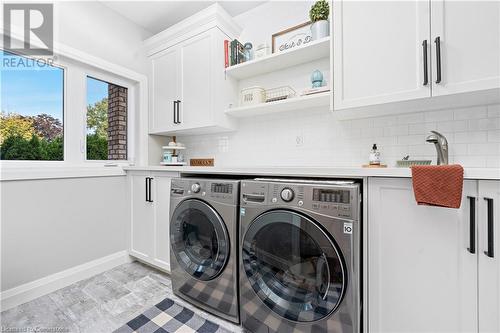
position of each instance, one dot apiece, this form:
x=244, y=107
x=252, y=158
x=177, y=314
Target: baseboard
x=31, y=290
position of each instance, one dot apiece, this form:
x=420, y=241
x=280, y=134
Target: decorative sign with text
x=207, y=162
x=292, y=37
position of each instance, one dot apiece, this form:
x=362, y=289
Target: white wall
x=96, y=29
x=52, y=225
x=473, y=133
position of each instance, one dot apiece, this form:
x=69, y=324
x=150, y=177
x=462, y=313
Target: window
x=51, y=124
x=32, y=108
x=107, y=105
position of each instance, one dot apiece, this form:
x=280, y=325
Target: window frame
x=120, y=81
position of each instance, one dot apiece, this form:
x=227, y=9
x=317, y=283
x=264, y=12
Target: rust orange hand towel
x=438, y=185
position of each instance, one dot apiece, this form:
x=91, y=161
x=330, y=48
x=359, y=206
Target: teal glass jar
x=317, y=79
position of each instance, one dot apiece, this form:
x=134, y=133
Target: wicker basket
x=277, y=94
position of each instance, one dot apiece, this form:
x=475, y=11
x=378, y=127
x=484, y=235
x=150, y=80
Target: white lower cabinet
x=162, y=222
x=421, y=277
x=148, y=237
x=488, y=254
x=142, y=217
x=429, y=268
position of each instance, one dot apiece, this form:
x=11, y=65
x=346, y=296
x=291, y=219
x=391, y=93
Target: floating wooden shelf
x=295, y=103
x=276, y=61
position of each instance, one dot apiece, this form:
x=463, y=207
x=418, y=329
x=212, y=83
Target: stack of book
x=234, y=53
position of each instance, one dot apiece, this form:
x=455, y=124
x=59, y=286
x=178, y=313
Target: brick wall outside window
x=117, y=122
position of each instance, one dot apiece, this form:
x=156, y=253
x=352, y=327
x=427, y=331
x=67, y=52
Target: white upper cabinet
x=489, y=256
x=469, y=37
x=195, y=108
x=418, y=51
x=165, y=77
x=378, y=52
x=189, y=90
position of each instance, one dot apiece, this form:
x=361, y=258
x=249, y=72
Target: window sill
x=12, y=173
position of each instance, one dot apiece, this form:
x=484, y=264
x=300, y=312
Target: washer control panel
x=287, y=194
x=339, y=200
x=195, y=188
x=225, y=191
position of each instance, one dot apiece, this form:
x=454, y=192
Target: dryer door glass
x=199, y=239
x=293, y=266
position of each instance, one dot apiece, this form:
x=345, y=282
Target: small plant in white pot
x=319, y=16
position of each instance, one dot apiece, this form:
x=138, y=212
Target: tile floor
x=102, y=303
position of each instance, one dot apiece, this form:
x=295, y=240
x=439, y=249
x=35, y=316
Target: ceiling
x=155, y=16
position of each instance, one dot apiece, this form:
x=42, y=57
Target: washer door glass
x=199, y=239
x=293, y=266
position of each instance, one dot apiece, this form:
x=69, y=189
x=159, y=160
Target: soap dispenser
x=374, y=155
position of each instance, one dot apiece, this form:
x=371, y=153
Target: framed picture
x=292, y=37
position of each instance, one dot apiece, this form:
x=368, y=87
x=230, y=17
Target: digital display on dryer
x=222, y=188
x=335, y=196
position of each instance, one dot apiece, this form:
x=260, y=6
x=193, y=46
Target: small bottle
x=374, y=155
x=248, y=51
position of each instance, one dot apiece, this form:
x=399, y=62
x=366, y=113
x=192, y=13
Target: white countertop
x=355, y=172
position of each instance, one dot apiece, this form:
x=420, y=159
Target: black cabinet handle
x=174, y=104
x=149, y=189
x=472, y=221
x=438, y=59
x=426, y=74
x=178, y=111
x=489, y=207
x=146, y=187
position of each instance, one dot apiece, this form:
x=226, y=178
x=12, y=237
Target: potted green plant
x=319, y=17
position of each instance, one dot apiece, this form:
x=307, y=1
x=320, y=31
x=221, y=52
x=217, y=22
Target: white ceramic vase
x=320, y=29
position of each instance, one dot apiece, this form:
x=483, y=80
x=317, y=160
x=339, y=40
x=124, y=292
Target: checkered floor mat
x=168, y=316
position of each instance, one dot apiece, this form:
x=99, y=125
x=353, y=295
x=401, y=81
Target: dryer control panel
x=332, y=198
x=224, y=191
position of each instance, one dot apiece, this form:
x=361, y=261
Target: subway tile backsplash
x=317, y=138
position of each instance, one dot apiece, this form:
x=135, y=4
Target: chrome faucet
x=441, y=145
